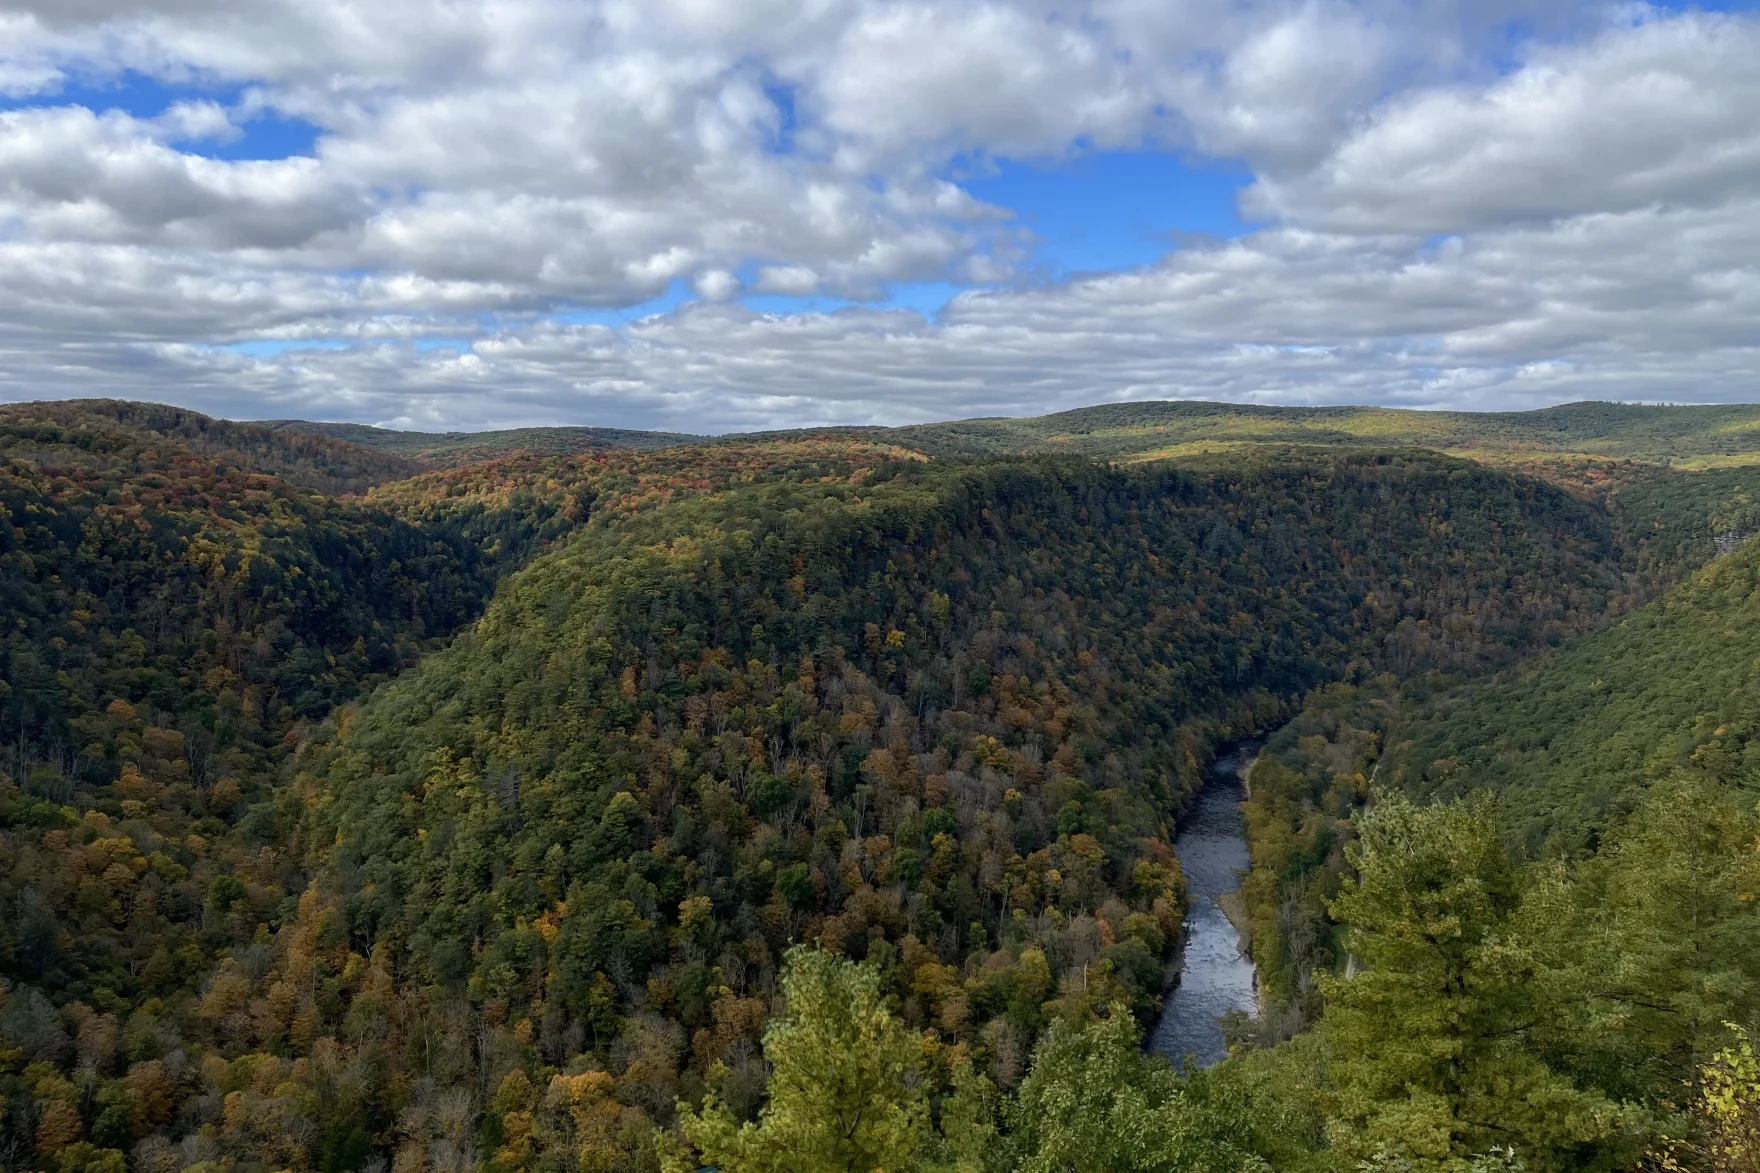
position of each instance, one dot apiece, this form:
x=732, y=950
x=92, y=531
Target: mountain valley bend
x=585, y=800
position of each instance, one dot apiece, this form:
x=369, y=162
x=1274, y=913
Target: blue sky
x=1101, y=210
x=263, y=135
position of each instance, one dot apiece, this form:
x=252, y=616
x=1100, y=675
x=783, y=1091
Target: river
x=1216, y=975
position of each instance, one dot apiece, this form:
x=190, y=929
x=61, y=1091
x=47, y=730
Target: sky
x=720, y=215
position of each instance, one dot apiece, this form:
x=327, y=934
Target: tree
x=1431, y=1041
x=1095, y=1103
x=1726, y=1115
x=847, y=1088
x=1671, y=928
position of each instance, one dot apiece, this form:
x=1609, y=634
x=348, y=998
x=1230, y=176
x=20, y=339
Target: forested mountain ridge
x=316, y=462
x=453, y=449
x=1693, y=437
x=513, y=506
x=275, y=893
x=1685, y=436
x=129, y=536
x=1598, y=446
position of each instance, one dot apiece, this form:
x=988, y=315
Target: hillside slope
x=321, y=463
x=172, y=621
x=1571, y=742
x=1571, y=739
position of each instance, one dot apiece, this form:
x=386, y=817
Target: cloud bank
x=1444, y=211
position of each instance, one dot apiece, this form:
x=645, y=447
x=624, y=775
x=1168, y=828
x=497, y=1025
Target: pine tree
x=847, y=1088
x=1431, y=1039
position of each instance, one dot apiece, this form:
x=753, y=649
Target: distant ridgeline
x=1684, y=437
x=452, y=800
x=1691, y=437
x=450, y=449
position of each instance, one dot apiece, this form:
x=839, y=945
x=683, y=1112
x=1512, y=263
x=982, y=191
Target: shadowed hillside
x=1572, y=739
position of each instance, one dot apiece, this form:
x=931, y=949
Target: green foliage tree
x=848, y=1084
x=1659, y=931
x=1726, y=1116
x=853, y=1089
x=1432, y=1054
x=1681, y=880
x=1094, y=1102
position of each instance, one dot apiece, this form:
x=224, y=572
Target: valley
x=375, y=801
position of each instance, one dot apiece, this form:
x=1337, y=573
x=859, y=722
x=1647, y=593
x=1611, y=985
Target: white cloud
x=1661, y=113
x=716, y=285
x=1443, y=228
x=67, y=174
x=196, y=121
x=977, y=76
x=788, y=279
x=1511, y=319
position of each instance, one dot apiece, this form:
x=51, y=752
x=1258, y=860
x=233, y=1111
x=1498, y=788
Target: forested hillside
x=1692, y=437
x=474, y=819
x=452, y=449
x=1611, y=787
x=321, y=463
x=171, y=622
x=1571, y=741
x=950, y=712
x=1574, y=738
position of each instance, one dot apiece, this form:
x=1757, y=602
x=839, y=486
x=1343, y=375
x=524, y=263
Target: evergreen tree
x=1660, y=929
x=1095, y=1103
x=847, y=1086
x=1433, y=1055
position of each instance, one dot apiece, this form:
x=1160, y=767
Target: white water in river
x=1216, y=976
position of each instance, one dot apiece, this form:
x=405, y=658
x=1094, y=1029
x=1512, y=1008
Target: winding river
x=1216, y=975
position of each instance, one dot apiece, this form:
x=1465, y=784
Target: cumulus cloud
x=1657, y=113
x=557, y=146
x=1449, y=216
x=1613, y=308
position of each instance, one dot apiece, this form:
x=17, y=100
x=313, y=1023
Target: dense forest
x=454, y=449
x=1575, y=739
x=308, y=460
x=805, y=802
